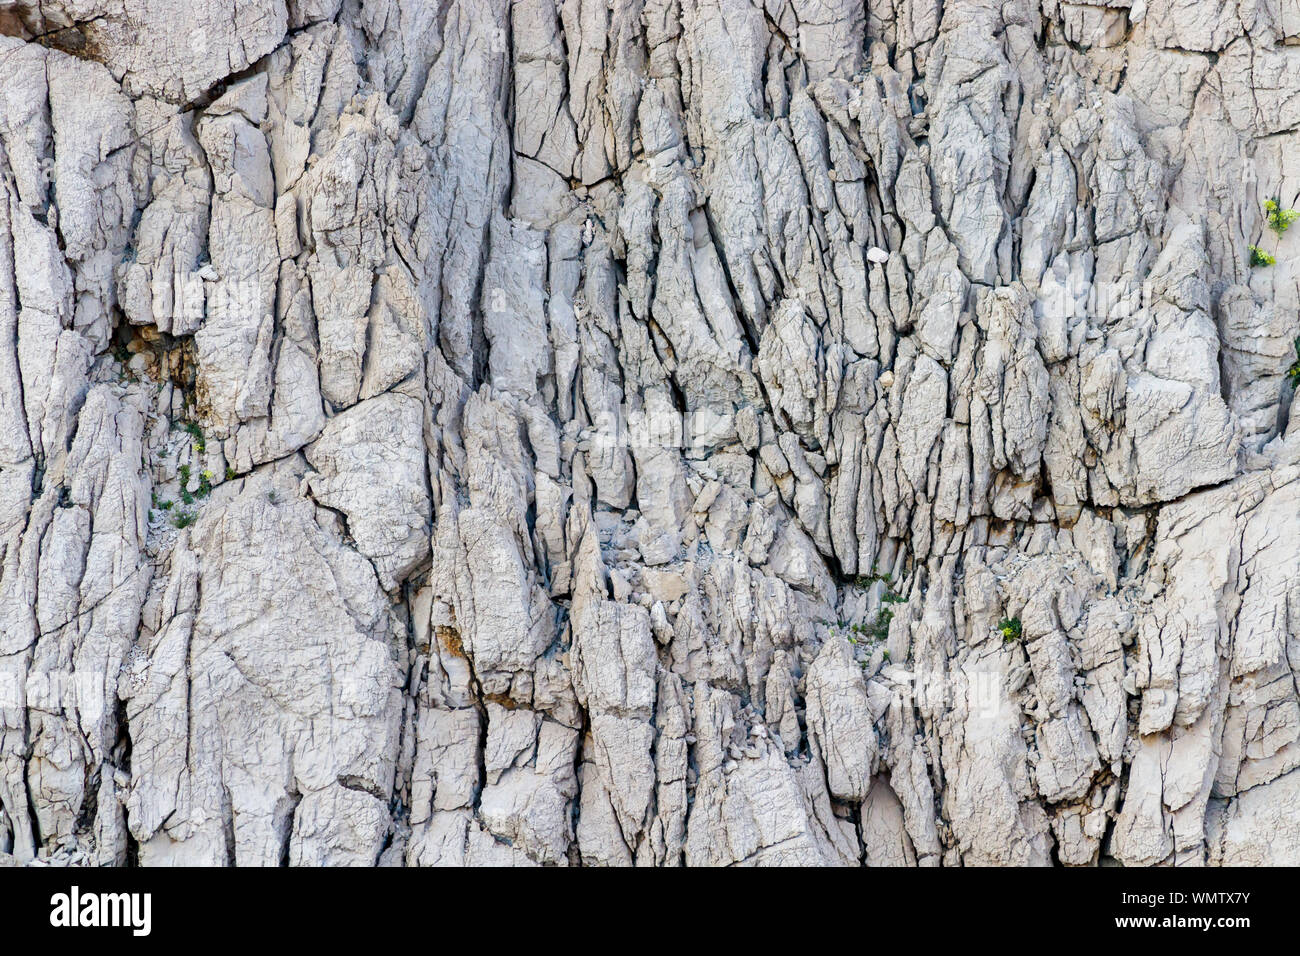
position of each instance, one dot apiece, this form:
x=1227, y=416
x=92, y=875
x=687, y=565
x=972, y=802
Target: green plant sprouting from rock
x=196, y=433
x=1258, y=257
x=864, y=581
x=184, y=473
x=204, y=489
x=1009, y=628
x=880, y=628
x=1279, y=219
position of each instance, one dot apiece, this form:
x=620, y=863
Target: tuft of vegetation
x=1009, y=627
x=184, y=472
x=1293, y=373
x=1279, y=219
x=183, y=519
x=1258, y=257
x=880, y=627
x=864, y=581
x=195, y=432
x=230, y=473
x=123, y=357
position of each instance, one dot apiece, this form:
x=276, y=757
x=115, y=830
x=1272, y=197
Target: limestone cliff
x=649, y=432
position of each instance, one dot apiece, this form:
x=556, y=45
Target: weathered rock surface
x=648, y=432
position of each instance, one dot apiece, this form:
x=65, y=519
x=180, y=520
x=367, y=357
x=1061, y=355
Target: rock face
x=649, y=432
